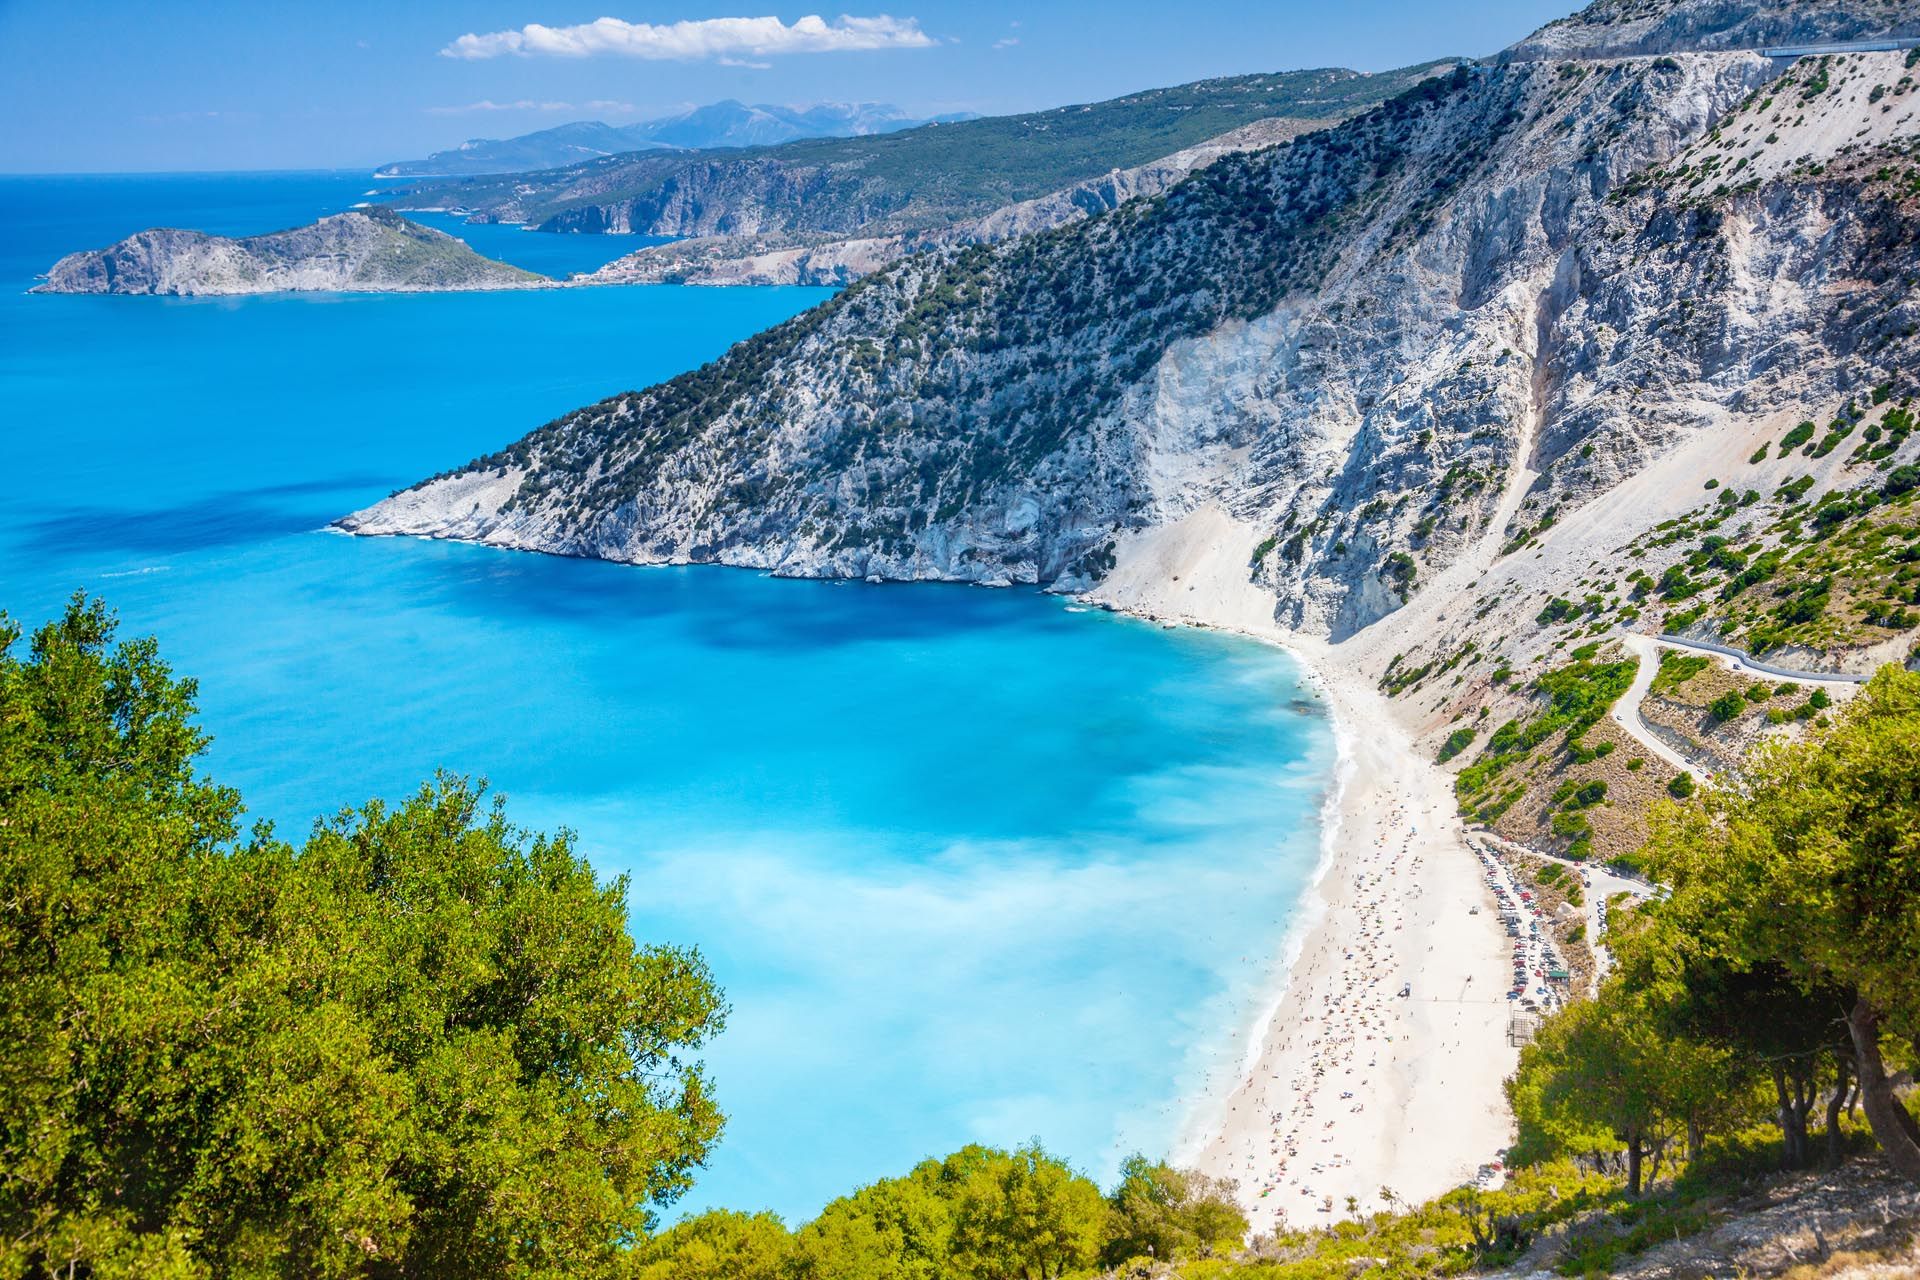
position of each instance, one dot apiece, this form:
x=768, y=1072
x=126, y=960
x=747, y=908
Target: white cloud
x=522, y=104
x=1006, y=42
x=693, y=41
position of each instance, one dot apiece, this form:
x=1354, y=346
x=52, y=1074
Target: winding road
x=1739, y=660
x=1626, y=712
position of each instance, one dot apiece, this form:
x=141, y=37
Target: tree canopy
x=420, y=1042
x=1787, y=949
x=981, y=1213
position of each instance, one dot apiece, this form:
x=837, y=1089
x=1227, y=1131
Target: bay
x=971, y=865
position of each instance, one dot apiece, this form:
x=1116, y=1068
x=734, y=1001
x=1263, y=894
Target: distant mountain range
x=721, y=124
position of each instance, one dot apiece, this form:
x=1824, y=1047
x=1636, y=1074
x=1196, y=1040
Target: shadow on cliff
x=723, y=607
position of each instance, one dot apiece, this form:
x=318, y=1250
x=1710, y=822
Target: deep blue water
x=971, y=865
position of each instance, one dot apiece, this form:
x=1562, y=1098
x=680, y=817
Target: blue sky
x=95, y=85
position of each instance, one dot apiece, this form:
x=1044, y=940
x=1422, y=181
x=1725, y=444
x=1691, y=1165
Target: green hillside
x=919, y=178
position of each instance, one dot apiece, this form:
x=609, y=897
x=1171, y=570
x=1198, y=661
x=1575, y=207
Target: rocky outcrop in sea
x=362, y=250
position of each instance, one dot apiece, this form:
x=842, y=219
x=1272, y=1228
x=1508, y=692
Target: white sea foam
x=1204, y=1115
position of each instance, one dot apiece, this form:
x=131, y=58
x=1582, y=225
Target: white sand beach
x=1352, y=1089
x=1357, y=1088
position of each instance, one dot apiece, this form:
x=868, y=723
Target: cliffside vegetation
x=962, y=376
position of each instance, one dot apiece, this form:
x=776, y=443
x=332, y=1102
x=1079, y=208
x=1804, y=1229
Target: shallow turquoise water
x=972, y=865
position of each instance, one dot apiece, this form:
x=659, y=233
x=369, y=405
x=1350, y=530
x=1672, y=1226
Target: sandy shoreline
x=1349, y=1089
x=1354, y=1087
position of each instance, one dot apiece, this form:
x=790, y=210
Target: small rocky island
x=360, y=251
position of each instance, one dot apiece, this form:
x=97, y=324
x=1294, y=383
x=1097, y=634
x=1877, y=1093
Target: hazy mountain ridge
x=896, y=183
x=362, y=250
x=720, y=124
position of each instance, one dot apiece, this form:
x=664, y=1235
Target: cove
x=970, y=865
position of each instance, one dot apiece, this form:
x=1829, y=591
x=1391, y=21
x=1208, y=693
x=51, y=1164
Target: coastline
x=1390, y=903
x=1347, y=1089
x=1355, y=1088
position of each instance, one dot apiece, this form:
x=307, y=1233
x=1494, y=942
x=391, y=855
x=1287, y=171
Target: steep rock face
x=1628, y=28
x=1441, y=326
x=1760, y=270
x=371, y=251
x=735, y=260
x=722, y=196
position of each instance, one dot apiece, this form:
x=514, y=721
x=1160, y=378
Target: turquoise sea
x=971, y=865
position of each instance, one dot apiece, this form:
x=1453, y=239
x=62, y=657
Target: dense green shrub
x=420, y=1043
x=1456, y=742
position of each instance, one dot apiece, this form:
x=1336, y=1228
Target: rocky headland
x=360, y=251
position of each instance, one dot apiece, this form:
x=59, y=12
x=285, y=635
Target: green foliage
x=1588, y=794
x=895, y=1229
x=1557, y=610
x=1727, y=706
x=1681, y=785
x=1025, y=1214
x=1164, y=1214
x=1401, y=570
x=1457, y=741
x=1823, y=831
x=1676, y=669
x=1578, y=695
x=1601, y=1074
x=420, y=1043
x=979, y=1214
x=1808, y=870
x=720, y=1244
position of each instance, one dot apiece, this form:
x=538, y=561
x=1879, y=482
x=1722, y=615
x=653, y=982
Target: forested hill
x=912, y=180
